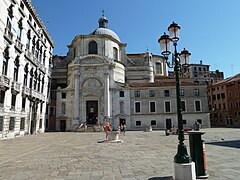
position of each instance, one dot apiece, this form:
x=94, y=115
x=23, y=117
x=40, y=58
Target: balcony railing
x=4, y=82
x=19, y=45
x=32, y=58
x=8, y=34
x=26, y=91
x=42, y=67
x=28, y=54
x=15, y=87
x=37, y=95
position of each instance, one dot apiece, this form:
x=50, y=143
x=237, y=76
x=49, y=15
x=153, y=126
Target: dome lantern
x=103, y=22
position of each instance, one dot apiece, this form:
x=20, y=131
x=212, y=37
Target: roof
x=105, y=31
x=32, y=9
x=228, y=80
x=159, y=84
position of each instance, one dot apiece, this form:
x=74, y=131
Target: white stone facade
x=25, y=60
x=96, y=83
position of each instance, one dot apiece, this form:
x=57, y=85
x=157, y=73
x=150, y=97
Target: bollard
x=167, y=132
x=198, y=153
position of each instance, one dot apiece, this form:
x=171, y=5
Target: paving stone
x=141, y=156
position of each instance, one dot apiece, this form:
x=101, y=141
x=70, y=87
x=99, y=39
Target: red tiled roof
x=228, y=80
x=159, y=84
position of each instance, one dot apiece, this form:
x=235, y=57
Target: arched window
x=40, y=54
x=31, y=78
x=19, y=29
x=16, y=67
x=42, y=84
x=44, y=57
x=35, y=80
x=39, y=82
x=37, y=49
x=115, y=53
x=5, y=61
x=10, y=10
x=25, y=75
x=158, y=68
x=28, y=39
x=92, y=48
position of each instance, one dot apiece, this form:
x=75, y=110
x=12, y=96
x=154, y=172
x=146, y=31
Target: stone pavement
x=142, y=155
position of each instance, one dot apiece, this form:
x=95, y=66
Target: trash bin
x=198, y=153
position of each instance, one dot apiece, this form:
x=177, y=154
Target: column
x=106, y=96
x=76, y=118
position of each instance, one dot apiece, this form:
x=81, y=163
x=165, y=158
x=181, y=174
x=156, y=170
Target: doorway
x=92, y=112
x=122, y=121
x=62, y=125
x=168, y=123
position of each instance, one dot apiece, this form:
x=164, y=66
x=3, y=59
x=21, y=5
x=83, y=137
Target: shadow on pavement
x=233, y=143
x=161, y=178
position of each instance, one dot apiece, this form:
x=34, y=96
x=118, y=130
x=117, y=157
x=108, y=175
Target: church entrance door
x=62, y=125
x=92, y=112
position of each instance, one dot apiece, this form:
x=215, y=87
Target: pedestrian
x=107, y=129
x=122, y=128
x=196, y=126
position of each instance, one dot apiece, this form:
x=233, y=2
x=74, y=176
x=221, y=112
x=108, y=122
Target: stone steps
x=93, y=128
x=89, y=128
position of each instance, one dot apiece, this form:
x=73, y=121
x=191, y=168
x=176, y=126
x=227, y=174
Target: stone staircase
x=93, y=128
x=89, y=128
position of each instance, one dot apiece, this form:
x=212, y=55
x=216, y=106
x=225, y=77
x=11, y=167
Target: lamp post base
x=185, y=171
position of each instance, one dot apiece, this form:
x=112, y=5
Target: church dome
x=103, y=30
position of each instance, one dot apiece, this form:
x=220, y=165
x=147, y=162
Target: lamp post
x=180, y=61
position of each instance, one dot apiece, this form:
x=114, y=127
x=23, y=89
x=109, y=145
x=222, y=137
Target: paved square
x=142, y=155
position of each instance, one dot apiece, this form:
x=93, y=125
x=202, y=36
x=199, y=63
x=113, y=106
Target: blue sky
x=210, y=29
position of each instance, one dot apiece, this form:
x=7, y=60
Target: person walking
x=107, y=130
x=122, y=128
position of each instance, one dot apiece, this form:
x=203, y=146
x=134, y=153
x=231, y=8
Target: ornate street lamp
x=180, y=61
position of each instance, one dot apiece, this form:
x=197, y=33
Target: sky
x=210, y=29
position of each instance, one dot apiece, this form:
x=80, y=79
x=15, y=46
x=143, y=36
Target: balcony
x=15, y=87
x=25, y=91
x=19, y=45
x=8, y=35
x=4, y=82
x=37, y=95
x=28, y=54
x=43, y=68
x=34, y=60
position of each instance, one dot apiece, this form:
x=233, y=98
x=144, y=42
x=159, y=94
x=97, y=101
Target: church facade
x=98, y=82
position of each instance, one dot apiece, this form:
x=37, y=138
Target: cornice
x=32, y=9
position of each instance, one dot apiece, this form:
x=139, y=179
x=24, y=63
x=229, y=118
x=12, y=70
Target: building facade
x=25, y=69
x=97, y=82
x=224, y=102
x=200, y=73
